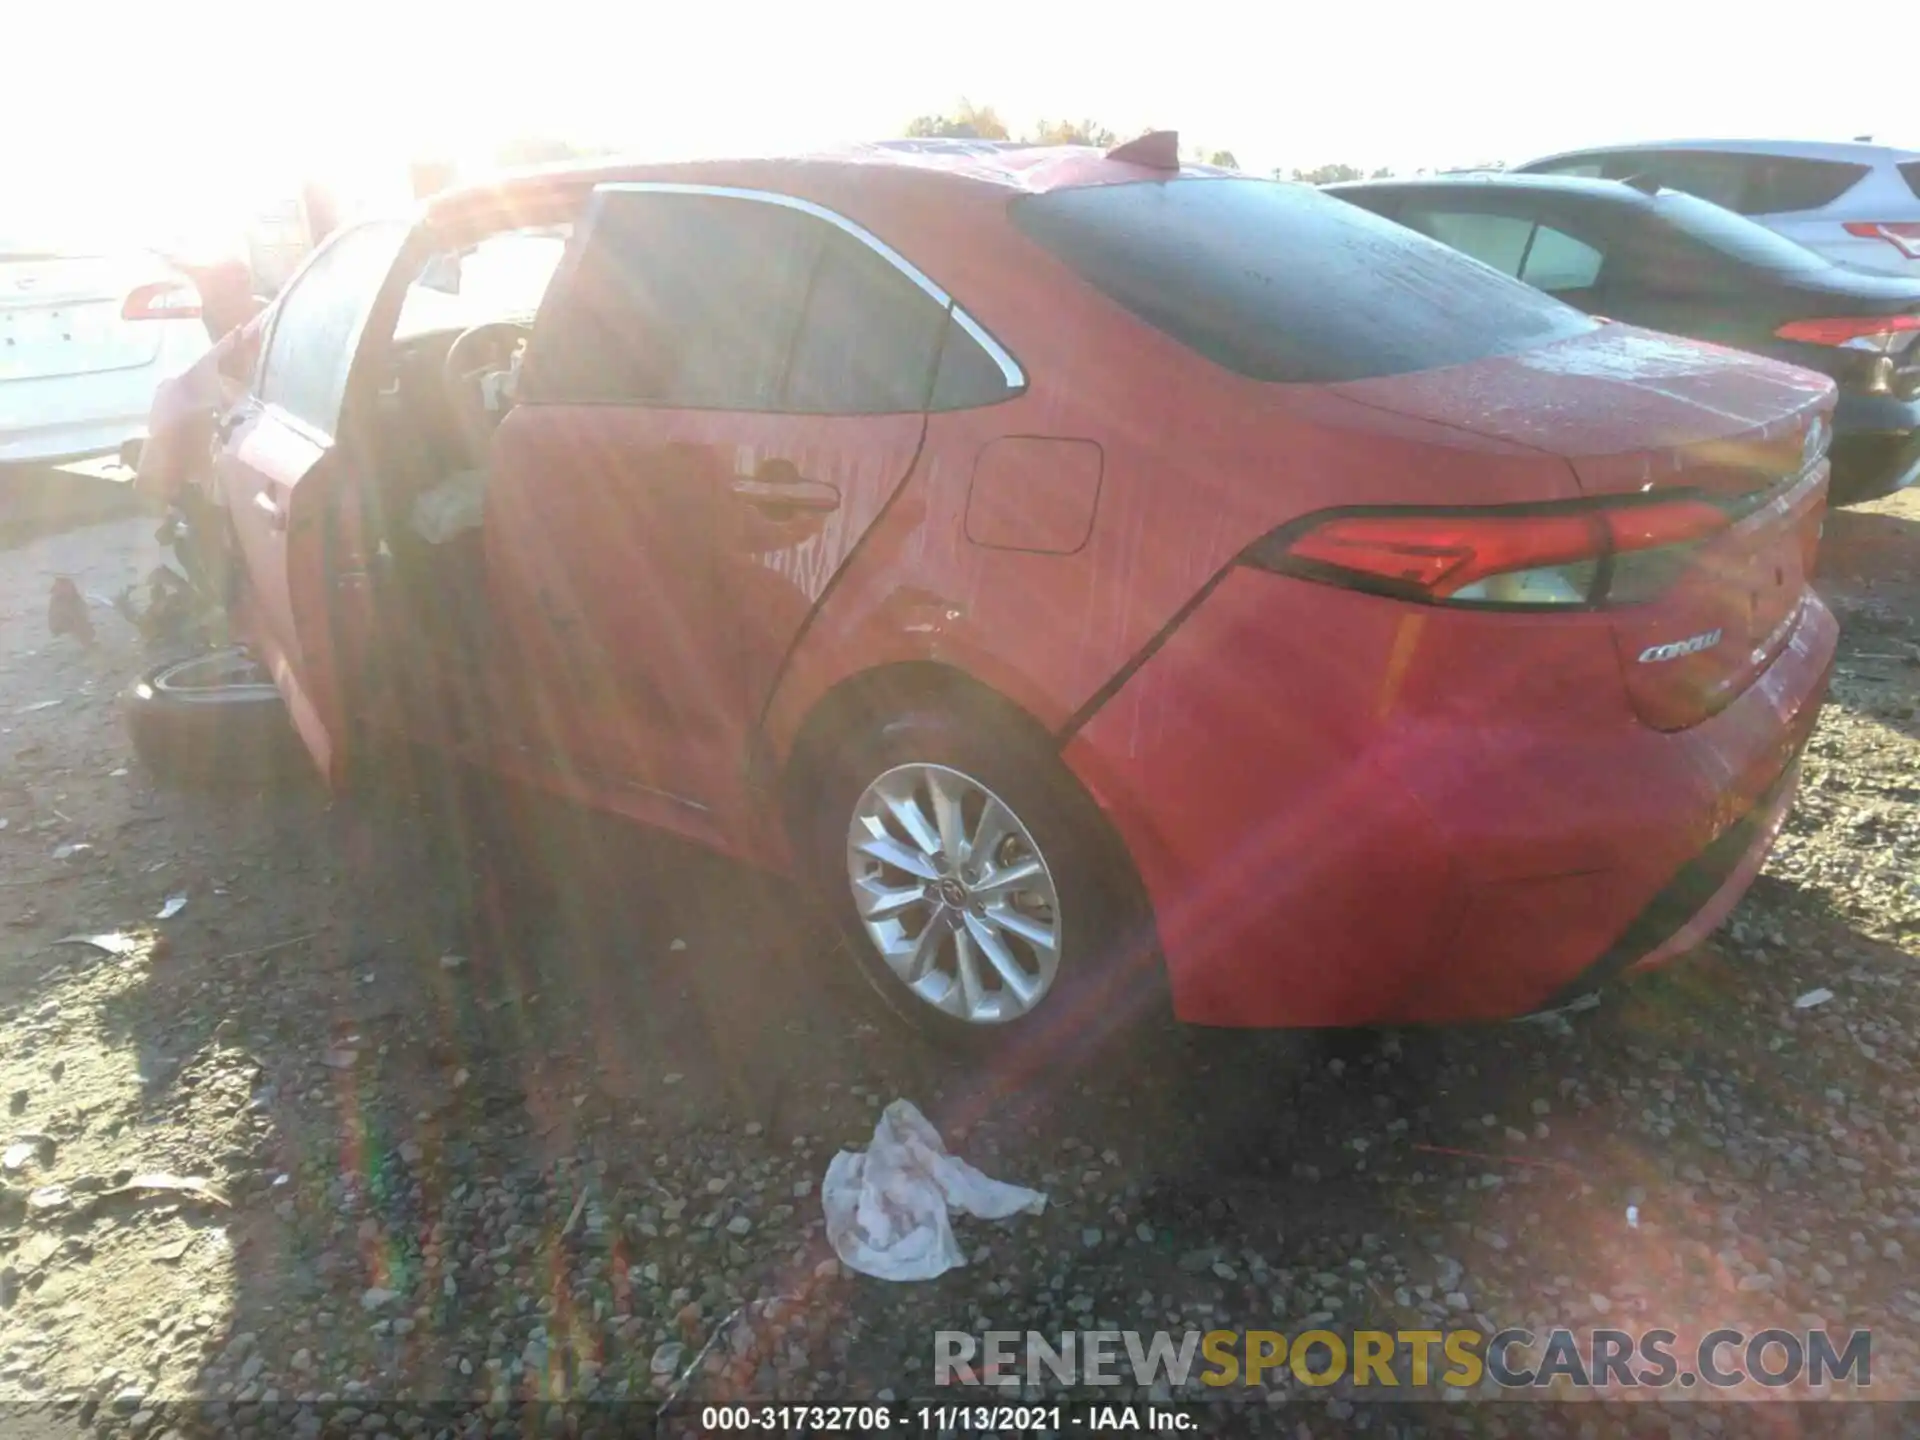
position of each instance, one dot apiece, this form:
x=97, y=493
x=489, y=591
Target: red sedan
x=1083, y=572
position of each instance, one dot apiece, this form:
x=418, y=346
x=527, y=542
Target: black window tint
x=1732, y=235
x=869, y=337
x=1280, y=282
x=318, y=321
x=968, y=375
x=1910, y=171
x=1779, y=183
x=680, y=300
x=1719, y=178
x=1750, y=184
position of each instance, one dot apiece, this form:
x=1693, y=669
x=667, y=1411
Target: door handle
x=779, y=490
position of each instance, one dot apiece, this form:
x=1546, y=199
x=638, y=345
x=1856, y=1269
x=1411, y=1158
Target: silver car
x=1856, y=204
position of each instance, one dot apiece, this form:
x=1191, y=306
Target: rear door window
x=1280, y=282
x=736, y=302
x=682, y=300
x=869, y=337
x=318, y=320
x=875, y=341
x=967, y=375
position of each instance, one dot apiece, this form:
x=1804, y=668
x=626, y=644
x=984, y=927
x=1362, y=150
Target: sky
x=203, y=107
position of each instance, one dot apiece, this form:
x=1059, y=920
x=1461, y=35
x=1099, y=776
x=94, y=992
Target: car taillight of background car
x=162, y=300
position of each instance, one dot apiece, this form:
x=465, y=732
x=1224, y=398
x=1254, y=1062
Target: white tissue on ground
x=888, y=1209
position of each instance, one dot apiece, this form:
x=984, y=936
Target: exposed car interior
x=455, y=356
x=449, y=381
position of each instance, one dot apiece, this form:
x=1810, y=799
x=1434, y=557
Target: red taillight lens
x=162, y=300
x=1533, y=559
x=1439, y=555
x=1888, y=334
x=1903, y=235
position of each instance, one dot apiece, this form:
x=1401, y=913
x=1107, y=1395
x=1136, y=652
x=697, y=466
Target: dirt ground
x=436, y=1158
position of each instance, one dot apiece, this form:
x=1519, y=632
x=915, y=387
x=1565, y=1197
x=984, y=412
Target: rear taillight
x=1619, y=553
x=1882, y=334
x=162, y=300
x=1903, y=235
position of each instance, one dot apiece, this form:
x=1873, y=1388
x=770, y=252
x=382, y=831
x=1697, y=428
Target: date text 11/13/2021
x=944, y=1418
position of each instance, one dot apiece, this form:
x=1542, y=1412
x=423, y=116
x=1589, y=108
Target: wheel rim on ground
x=219, y=670
x=954, y=894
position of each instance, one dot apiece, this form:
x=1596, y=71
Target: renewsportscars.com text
x=1513, y=1358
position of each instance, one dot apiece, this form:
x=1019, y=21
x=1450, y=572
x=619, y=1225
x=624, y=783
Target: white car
x=1857, y=204
x=85, y=340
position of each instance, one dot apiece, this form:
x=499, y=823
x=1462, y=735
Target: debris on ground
x=117, y=942
x=195, y=1187
x=168, y=610
x=1761, y=1148
x=67, y=611
x=888, y=1208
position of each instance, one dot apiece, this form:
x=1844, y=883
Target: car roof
x=1618, y=191
x=1009, y=167
x=1854, y=150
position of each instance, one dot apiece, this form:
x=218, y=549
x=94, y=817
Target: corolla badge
x=1674, y=649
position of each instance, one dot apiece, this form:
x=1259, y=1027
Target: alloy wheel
x=954, y=893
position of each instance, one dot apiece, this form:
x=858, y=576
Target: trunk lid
x=1639, y=414
x=61, y=316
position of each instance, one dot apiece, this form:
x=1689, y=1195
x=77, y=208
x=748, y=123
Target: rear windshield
x=1734, y=235
x=1279, y=282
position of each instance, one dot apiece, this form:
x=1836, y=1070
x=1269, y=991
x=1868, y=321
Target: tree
x=1066, y=132
x=1223, y=159
x=971, y=123
x=543, y=150
x=1323, y=174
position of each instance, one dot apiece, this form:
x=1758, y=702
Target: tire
x=210, y=720
x=1102, y=978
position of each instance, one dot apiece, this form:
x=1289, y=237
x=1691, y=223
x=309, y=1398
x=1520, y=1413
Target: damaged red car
x=1101, y=582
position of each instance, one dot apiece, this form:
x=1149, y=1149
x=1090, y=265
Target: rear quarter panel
x=1197, y=463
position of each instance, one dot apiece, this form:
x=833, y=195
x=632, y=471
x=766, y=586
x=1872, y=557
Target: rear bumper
x=1394, y=860
x=74, y=440
x=75, y=417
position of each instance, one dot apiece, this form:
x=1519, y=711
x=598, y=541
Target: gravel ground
x=447, y=1161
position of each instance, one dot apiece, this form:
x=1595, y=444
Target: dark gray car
x=1671, y=261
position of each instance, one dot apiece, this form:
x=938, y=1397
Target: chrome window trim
x=1010, y=369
